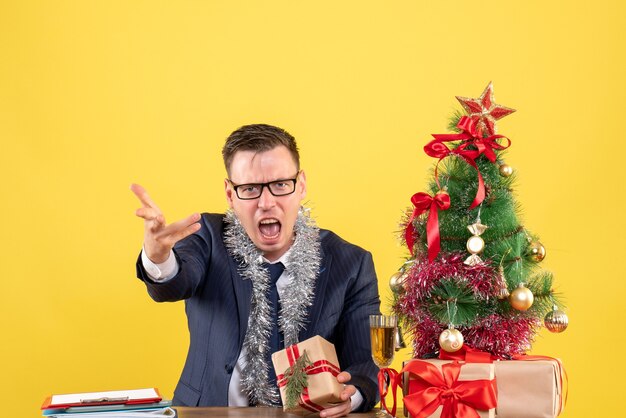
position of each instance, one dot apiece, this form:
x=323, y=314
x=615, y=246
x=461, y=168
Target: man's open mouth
x=270, y=228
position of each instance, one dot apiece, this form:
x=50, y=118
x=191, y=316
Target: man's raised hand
x=159, y=238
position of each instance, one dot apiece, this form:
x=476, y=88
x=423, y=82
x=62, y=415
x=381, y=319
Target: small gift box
x=307, y=376
x=444, y=388
x=530, y=388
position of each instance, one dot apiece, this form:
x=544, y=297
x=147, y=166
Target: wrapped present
x=444, y=388
x=307, y=376
x=530, y=387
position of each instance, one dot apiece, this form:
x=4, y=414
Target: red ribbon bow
x=433, y=388
x=422, y=203
x=320, y=366
x=471, y=136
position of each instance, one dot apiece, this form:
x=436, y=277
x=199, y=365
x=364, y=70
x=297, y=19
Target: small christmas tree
x=474, y=273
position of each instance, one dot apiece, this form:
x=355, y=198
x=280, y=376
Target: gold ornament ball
x=505, y=170
x=537, y=251
x=521, y=298
x=451, y=340
x=396, y=282
x=556, y=320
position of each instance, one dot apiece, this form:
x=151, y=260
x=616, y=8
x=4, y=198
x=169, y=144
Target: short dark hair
x=258, y=138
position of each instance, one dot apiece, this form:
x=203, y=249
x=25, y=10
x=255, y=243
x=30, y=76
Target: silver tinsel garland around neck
x=303, y=264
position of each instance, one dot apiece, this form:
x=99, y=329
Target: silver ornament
x=556, y=320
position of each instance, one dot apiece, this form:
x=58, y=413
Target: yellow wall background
x=96, y=95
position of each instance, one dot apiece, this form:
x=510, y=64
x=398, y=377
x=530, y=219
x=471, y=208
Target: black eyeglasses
x=252, y=191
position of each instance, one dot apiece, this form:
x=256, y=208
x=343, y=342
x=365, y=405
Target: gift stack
x=531, y=387
x=472, y=292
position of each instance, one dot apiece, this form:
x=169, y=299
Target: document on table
x=138, y=413
x=118, y=396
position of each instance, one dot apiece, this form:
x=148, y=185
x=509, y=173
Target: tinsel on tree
x=474, y=275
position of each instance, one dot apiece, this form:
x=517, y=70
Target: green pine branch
x=297, y=380
x=453, y=302
x=544, y=297
x=454, y=120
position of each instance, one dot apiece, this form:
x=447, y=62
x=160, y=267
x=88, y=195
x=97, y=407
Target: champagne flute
x=382, y=334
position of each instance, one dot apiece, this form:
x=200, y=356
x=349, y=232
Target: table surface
x=222, y=412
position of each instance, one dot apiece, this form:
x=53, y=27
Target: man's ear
x=302, y=184
x=228, y=190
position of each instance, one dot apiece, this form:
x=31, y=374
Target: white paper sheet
x=78, y=397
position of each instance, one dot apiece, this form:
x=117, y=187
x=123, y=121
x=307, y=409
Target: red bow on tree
x=471, y=136
x=422, y=203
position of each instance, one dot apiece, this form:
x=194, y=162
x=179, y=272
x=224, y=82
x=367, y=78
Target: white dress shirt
x=236, y=396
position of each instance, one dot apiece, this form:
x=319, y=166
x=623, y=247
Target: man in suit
x=258, y=278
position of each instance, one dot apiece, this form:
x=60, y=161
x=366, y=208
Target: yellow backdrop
x=96, y=95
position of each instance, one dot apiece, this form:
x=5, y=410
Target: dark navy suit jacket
x=218, y=304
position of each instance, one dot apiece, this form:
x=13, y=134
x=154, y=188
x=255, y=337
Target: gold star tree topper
x=484, y=110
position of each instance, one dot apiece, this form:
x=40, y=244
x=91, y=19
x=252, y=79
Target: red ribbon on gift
x=468, y=354
x=422, y=203
x=320, y=366
x=388, y=375
x=471, y=136
x=433, y=388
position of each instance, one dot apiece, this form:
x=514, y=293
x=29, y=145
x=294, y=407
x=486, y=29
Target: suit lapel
x=318, y=302
x=243, y=298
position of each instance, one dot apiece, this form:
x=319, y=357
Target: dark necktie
x=274, y=342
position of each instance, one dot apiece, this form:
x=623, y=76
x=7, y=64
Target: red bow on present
x=422, y=203
x=433, y=388
x=471, y=136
